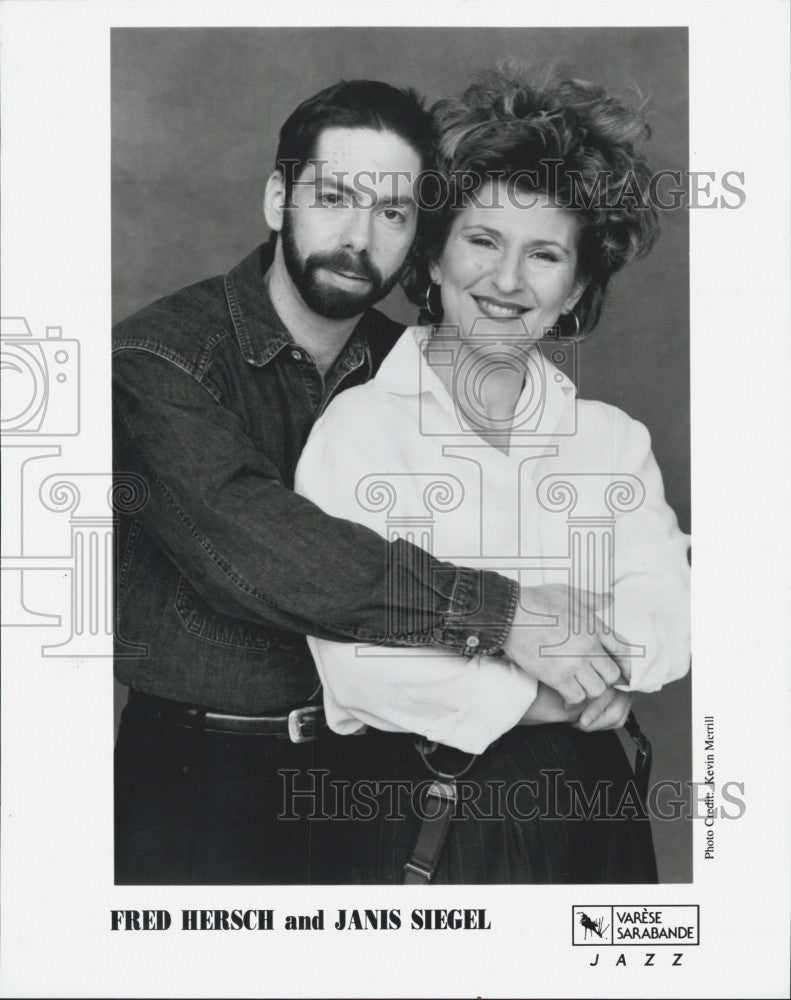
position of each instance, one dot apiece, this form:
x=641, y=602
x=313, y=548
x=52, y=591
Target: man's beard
x=326, y=299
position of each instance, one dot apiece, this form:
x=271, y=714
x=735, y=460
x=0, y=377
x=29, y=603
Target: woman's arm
x=651, y=587
x=463, y=702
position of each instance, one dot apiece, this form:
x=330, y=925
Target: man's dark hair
x=354, y=104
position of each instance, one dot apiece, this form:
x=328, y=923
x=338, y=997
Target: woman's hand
x=547, y=707
x=608, y=711
x=587, y=668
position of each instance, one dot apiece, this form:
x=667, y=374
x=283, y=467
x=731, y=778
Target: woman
x=470, y=442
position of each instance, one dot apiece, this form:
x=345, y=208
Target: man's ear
x=275, y=201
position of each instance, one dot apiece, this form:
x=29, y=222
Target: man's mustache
x=359, y=265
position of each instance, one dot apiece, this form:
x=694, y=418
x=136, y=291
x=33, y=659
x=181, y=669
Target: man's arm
x=257, y=551
x=650, y=597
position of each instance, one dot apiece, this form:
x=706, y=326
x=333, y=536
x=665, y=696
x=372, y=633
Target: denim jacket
x=221, y=569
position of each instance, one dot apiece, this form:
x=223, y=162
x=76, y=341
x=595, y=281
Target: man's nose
x=509, y=275
x=356, y=235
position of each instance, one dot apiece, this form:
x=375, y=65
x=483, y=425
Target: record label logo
x=636, y=925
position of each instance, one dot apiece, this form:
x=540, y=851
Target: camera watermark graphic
x=481, y=494
x=538, y=359
x=41, y=381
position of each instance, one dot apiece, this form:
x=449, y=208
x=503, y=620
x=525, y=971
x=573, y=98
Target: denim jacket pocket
x=200, y=620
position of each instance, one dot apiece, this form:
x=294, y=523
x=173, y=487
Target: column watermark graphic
x=56, y=522
x=591, y=502
x=501, y=503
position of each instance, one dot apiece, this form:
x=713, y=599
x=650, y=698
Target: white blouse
x=578, y=500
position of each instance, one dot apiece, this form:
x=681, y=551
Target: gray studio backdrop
x=195, y=119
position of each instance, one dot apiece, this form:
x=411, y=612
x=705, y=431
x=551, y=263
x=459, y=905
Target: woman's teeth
x=498, y=311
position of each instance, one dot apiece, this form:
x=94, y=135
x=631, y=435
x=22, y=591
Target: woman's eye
x=482, y=241
x=546, y=255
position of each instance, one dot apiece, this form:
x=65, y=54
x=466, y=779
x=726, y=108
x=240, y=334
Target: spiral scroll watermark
x=90, y=502
x=410, y=503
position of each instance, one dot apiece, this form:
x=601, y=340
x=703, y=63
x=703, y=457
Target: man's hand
x=584, y=669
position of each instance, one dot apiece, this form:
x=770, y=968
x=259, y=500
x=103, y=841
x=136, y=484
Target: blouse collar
x=406, y=372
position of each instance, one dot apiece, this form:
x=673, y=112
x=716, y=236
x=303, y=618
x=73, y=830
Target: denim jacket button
x=296, y=355
x=473, y=641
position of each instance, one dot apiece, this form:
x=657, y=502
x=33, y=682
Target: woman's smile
x=497, y=309
x=505, y=262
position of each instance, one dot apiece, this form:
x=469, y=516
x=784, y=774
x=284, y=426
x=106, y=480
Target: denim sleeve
x=257, y=551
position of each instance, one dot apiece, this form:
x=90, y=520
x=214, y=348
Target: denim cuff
x=482, y=609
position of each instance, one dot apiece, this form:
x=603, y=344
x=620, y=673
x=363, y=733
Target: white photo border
x=57, y=884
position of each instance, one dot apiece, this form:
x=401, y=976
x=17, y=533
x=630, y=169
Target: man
x=224, y=569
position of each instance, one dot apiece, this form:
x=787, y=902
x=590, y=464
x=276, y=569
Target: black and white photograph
x=367, y=388
x=484, y=701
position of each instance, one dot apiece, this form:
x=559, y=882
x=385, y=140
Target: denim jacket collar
x=259, y=329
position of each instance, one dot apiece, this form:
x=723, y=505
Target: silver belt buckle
x=298, y=719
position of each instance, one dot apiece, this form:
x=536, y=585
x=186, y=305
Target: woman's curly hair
x=563, y=137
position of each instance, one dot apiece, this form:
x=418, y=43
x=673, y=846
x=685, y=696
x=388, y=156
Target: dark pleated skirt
x=544, y=804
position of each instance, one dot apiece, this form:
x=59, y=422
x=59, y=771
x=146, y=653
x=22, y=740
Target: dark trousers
x=203, y=808
x=545, y=804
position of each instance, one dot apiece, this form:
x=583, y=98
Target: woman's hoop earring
x=431, y=313
x=576, y=324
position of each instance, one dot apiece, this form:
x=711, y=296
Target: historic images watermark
x=315, y=795
x=664, y=190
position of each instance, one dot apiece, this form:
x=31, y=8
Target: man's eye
x=394, y=215
x=332, y=200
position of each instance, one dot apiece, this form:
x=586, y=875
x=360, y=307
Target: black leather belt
x=300, y=725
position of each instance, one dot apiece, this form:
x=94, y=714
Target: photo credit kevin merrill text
x=369, y=380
